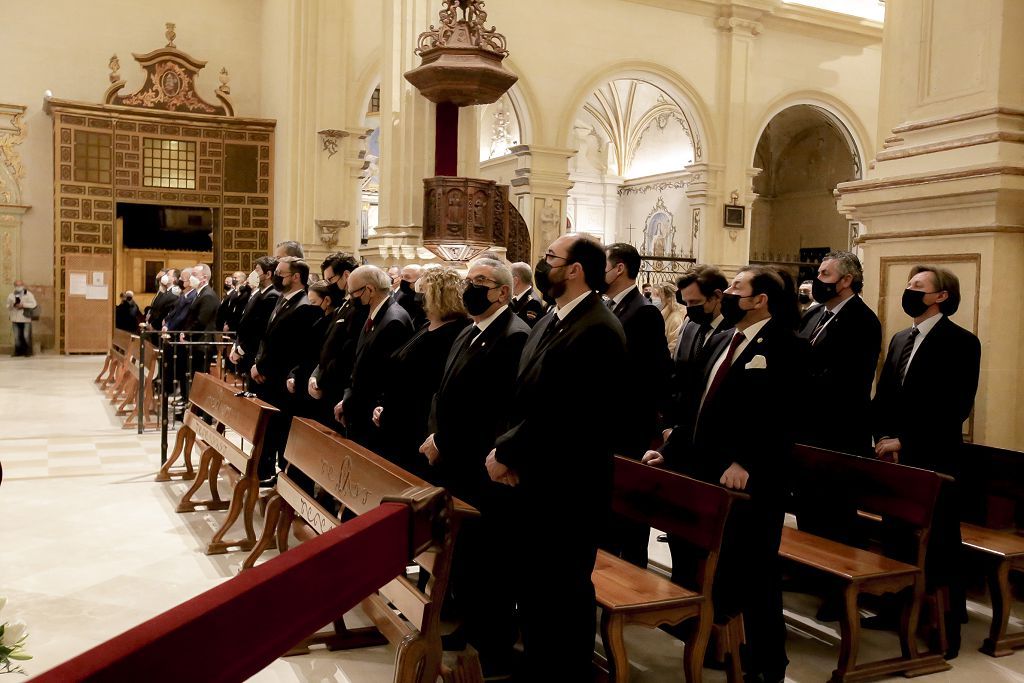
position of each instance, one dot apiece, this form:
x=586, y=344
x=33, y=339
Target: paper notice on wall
x=95, y=293
x=98, y=279
x=77, y=284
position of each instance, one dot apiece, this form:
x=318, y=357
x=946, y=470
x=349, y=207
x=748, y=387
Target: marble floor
x=90, y=545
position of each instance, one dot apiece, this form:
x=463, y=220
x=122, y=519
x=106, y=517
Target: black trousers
x=556, y=594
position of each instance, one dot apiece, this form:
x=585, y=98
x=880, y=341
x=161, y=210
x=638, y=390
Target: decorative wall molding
x=328, y=229
x=661, y=186
x=170, y=82
x=13, y=130
x=329, y=138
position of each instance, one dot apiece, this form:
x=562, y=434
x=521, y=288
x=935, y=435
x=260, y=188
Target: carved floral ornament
x=470, y=31
x=12, y=133
x=170, y=82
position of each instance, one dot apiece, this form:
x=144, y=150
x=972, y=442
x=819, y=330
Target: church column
x=541, y=189
x=715, y=184
x=406, y=139
x=947, y=187
x=12, y=133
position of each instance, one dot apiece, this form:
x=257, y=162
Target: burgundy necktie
x=723, y=369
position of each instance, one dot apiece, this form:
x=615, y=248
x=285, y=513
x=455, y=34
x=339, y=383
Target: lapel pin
x=760, y=339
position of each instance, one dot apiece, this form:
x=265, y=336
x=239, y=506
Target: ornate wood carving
x=170, y=82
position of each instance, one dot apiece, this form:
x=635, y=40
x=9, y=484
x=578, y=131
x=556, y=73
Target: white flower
x=13, y=632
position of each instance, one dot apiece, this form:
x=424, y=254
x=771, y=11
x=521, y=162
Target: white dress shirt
x=485, y=323
x=748, y=335
x=563, y=311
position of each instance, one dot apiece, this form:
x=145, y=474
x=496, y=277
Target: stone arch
x=672, y=84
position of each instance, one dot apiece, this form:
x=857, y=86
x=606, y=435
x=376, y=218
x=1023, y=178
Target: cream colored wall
x=65, y=45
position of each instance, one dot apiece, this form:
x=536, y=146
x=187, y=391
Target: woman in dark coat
x=417, y=369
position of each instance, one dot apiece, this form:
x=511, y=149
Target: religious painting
x=735, y=216
x=659, y=231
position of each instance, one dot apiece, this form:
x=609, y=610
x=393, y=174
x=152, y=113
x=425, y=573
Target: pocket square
x=758, y=362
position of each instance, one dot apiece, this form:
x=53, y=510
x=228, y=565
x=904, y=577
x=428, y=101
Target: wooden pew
x=360, y=480
x=147, y=374
x=904, y=496
x=120, y=347
x=694, y=512
x=246, y=417
x=992, y=490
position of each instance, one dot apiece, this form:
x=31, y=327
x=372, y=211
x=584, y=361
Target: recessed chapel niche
x=165, y=145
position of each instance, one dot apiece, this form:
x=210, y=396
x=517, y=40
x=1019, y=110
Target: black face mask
x=647, y=295
x=227, y=288
x=698, y=315
x=405, y=286
x=278, y=281
x=336, y=293
x=731, y=311
x=823, y=291
x=474, y=297
x=804, y=299
x=913, y=302
x=549, y=289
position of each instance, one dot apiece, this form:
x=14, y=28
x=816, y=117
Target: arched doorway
x=803, y=153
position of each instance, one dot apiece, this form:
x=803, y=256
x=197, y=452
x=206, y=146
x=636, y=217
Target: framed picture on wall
x=152, y=268
x=735, y=216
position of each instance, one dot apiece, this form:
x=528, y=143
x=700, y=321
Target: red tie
x=368, y=326
x=723, y=369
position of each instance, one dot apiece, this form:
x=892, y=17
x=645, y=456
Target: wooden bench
x=694, y=512
x=359, y=481
x=137, y=374
x=992, y=490
x=120, y=348
x=902, y=496
x=246, y=417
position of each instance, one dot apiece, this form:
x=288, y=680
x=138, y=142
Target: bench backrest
x=692, y=511
x=247, y=417
x=360, y=479
x=895, y=492
x=992, y=486
x=122, y=341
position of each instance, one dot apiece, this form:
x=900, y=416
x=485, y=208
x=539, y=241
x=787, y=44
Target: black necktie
x=550, y=330
x=277, y=309
x=905, y=354
x=702, y=336
x=610, y=303
x=825, y=317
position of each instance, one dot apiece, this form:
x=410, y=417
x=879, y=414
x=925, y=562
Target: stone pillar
x=715, y=184
x=12, y=133
x=947, y=187
x=406, y=139
x=541, y=189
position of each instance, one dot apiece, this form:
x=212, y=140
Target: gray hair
x=374, y=276
x=291, y=248
x=502, y=273
x=203, y=270
x=523, y=271
x=848, y=264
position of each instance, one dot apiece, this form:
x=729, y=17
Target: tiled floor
x=90, y=545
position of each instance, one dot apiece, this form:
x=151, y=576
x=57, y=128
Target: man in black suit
x=466, y=417
x=201, y=321
x=408, y=298
x=288, y=339
x=175, y=319
x=559, y=449
x=253, y=321
x=332, y=375
x=162, y=304
x=739, y=434
x=387, y=327
x=645, y=380
x=524, y=303
x=924, y=395
x=845, y=339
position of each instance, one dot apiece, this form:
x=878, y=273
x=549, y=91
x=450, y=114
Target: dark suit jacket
x=841, y=366
x=466, y=421
x=288, y=339
x=749, y=419
x=306, y=364
x=416, y=369
x=162, y=304
x=688, y=366
x=238, y=305
x=413, y=305
x=178, y=315
x=927, y=410
x=202, y=312
x=647, y=376
x=371, y=369
x=563, y=418
x=253, y=324
x=528, y=307
x=337, y=355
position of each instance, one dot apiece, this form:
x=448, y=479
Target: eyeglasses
x=331, y=280
x=479, y=280
x=550, y=255
x=355, y=294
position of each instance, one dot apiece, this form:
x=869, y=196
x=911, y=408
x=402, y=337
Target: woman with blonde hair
x=417, y=368
x=672, y=311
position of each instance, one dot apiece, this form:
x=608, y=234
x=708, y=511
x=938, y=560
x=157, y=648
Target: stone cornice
x=868, y=185
x=52, y=104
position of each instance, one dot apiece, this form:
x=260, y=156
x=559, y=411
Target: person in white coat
x=20, y=304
